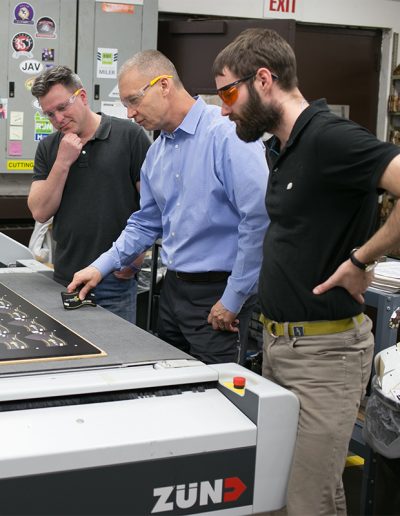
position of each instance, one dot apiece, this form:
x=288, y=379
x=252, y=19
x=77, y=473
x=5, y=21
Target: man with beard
x=319, y=253
x=202, y=191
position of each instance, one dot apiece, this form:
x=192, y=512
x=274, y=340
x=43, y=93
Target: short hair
x=151, y=63
x=259, y=48
x=56, y=75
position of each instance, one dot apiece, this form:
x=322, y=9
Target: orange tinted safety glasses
x=229, y=93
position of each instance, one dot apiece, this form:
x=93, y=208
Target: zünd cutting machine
x=98, y=417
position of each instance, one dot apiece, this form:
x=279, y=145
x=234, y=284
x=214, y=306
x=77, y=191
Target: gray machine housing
x=144, y=429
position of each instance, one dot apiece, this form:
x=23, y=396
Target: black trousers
x=182, y=321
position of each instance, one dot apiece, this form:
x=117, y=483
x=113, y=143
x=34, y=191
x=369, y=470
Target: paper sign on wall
x=16, y=118
x=114, y=93
x=114, y=109
x=15, y=148
x=109, y=7
x=16, y=132
x=43, y=127
x=107, y=60
x=22, y=164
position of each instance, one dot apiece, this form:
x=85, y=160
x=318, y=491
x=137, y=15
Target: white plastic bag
x=41, y=241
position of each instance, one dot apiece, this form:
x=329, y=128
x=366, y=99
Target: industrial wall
x=363, y=13
x=82, y=28
x=91, y=37
x=382, y=14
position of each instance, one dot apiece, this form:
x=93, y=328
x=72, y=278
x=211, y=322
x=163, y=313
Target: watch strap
x=363, y=266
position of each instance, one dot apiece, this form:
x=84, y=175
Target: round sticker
x=22, y=44
x=23, y=13
x=45, y=27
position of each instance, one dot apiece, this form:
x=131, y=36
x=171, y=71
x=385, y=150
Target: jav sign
x=31, y=66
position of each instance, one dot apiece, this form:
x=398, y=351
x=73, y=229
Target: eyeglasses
x=64, y=106
x=134, y=101
x=230, y=93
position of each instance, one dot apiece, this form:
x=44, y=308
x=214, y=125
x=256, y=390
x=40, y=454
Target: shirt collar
x=103, y=131
x=191, y=120
x=313, y=109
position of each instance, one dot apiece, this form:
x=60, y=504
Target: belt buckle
x=298, y=331
x=271, y=329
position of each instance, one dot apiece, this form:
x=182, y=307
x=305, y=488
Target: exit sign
x=280, y=6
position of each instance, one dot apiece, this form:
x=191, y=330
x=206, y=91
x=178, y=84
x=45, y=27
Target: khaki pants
x=329, y=375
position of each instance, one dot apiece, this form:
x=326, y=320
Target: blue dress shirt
x=203, y=192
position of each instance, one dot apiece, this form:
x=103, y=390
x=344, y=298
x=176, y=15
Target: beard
x=256, y=118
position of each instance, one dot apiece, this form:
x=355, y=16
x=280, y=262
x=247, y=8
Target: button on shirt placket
x=82, y=161
x=178, y=187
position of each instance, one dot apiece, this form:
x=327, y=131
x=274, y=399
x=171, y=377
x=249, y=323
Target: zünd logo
x=185, y=496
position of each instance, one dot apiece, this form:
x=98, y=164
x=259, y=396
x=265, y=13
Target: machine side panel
x=276, y=421
x=190, y=484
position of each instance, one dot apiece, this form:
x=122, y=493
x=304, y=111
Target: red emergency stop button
x=239, y=382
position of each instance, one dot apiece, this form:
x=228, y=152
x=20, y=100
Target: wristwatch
x=366, y=267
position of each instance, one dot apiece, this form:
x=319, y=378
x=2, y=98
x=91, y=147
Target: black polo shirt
x=322, y=200
x=99, y=195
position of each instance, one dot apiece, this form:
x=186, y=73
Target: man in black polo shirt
x=87, y=176
x=318, y=256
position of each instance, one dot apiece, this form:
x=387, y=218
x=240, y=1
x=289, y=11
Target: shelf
x=393, y=108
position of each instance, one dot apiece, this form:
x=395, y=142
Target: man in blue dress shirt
x=202, y=192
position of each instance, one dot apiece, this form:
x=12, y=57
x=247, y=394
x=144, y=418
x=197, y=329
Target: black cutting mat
x=28, y=334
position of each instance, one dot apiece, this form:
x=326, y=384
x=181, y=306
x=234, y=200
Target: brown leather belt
x=202, y=277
